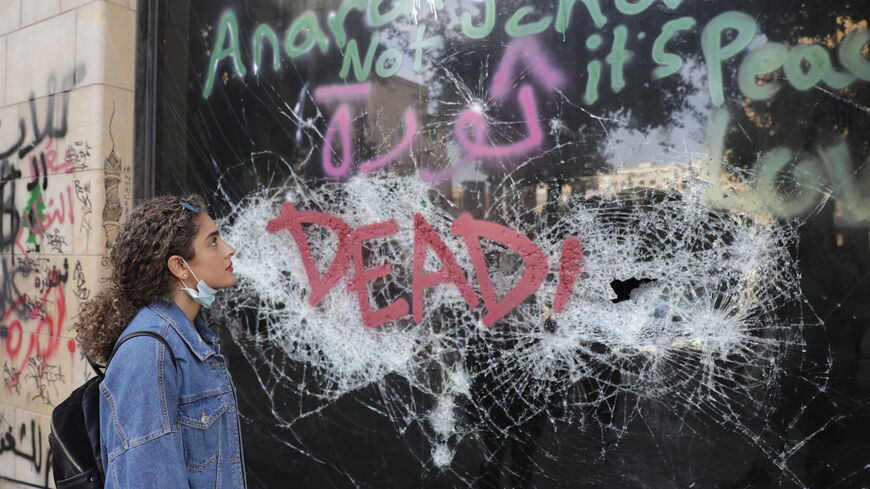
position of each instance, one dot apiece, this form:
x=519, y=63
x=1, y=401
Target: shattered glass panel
x=557, y=244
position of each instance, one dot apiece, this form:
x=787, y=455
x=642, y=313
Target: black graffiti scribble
x=45, y=378
x=35, y=163
x=35, y=307
x=49, y=129
x=8, y=290
x=10, y=375
x=56, y=241
x=8, y=443
x=44, y=274
x=56, y=278
x=83, y=195
x=76, y=156
x=81, y=292
x=10, y=221
x=112, y=209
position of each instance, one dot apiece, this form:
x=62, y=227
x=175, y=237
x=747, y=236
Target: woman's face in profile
x=211, y=260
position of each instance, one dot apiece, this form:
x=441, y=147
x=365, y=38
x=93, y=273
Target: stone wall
x=66, y=144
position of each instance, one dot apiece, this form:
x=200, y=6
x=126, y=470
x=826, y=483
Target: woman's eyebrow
x=213, y=233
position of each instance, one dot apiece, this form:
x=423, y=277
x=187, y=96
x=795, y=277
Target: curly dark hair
x=155, y=230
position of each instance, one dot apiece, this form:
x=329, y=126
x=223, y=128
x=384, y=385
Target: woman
x=165, y=424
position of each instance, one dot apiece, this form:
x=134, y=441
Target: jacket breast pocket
x=201, y=425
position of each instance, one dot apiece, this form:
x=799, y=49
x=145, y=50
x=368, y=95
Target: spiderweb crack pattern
x=707, y=333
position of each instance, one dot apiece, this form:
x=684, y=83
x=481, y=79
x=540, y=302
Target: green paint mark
x=336, y=21
x=361, y=69
x=766, y=59
x=389, y=63
x=593, y=42
x=715, y=53
x=405, y=7
x=818, y=60
x=307, y=22
x=475, y=32
x=641, y=35
x=228, y=24
x=515, y=29
x=851, y=192
x=851, y=56
x=266, y=31
x=671, y=63
x=34, y=204
x=802, y=199
x=717, y=127
x=837, y=79
x=748, y=201
x=629, y=8
x=420, y=43
x=593, y=69
x=617, y=58
x=563, y=15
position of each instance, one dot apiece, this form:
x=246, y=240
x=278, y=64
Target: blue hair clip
x=189, y=207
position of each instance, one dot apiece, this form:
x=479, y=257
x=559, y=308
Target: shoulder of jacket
x=149, y=321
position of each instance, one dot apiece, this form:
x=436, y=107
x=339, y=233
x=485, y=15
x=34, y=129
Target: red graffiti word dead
x=350, y=249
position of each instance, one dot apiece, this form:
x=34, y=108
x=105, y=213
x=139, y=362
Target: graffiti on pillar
x=9, y=217
x=81, y=291
x=34, y=154
x=26, y=442
x=39, y=220
x=83, y=195
x=45, y=209
x=112, y=207
x=43, y=313
x=43, y=125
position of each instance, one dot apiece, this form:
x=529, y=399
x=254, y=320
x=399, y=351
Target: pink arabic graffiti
x=526, y=53
x=341, y=123
x=471, y=129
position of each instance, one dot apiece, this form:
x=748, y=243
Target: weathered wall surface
x=66, y=139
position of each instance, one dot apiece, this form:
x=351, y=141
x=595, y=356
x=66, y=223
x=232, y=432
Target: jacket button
x=204, y=418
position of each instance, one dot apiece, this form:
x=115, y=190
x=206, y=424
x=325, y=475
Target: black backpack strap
x=143, y=333
x=98, y=369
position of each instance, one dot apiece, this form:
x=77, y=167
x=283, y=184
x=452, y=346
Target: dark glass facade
x=628, y=240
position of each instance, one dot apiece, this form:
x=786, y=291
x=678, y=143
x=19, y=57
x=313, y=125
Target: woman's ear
x=177, y=268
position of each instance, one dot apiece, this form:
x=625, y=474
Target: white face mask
x=204, y=295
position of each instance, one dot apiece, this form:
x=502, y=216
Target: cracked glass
x=549, y=244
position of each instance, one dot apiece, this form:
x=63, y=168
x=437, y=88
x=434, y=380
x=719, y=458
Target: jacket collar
x=199, y=337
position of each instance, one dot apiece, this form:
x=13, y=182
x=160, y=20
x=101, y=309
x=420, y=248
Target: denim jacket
x=168, y=428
